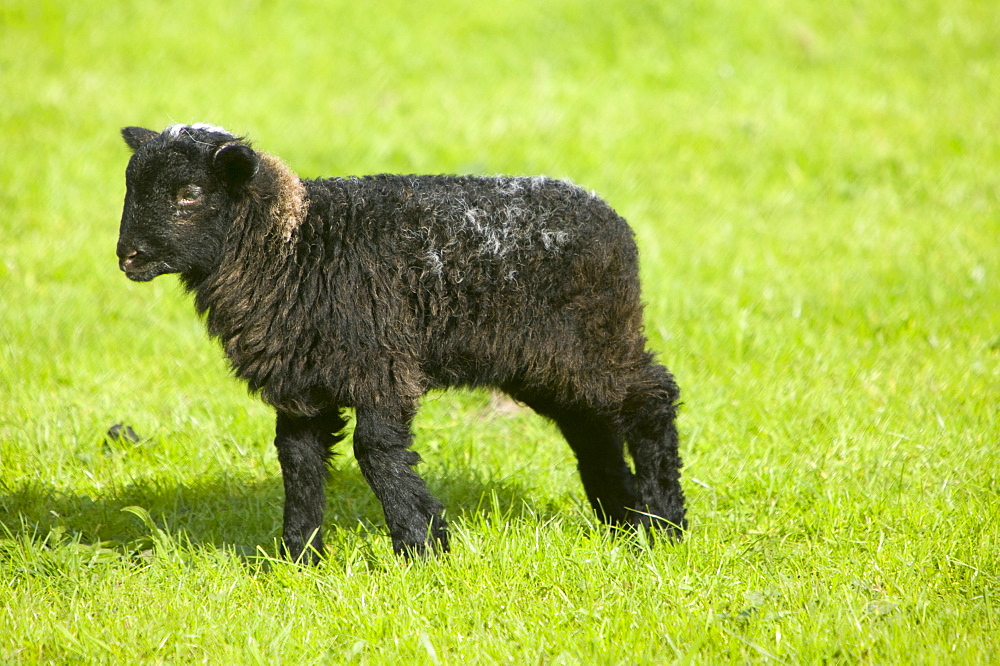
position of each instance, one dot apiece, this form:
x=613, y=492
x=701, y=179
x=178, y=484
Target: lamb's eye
x=189, y=194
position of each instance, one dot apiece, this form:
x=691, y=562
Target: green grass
x=816, y=192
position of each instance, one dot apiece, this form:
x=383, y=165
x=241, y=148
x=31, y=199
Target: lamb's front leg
x=304, y=445
x=382, y=441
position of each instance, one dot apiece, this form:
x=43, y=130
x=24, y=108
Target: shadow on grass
x=230, y=513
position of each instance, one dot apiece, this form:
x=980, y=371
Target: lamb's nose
x=127, y=260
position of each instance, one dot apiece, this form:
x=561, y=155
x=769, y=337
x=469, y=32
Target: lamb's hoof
x=436, y=543
x=296, y=552
x=657, y=528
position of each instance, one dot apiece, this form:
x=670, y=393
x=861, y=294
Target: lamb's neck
x=241, y=296
x=282, y=196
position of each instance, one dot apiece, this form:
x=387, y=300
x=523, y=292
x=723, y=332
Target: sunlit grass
x=814, y=190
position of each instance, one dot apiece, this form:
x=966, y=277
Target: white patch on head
x=175, y=131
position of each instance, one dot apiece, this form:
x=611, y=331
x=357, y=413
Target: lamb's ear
x=235, y=164
x=136, y=136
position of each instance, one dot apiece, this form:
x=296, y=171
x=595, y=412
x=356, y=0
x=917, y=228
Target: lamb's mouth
x=139, y=269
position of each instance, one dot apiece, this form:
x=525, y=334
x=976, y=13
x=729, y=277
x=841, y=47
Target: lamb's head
x=183, y=187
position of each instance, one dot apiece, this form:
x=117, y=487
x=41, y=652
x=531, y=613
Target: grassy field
x=815, y=188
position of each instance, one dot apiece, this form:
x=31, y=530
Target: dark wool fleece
x=396, y=284
x=367, y=292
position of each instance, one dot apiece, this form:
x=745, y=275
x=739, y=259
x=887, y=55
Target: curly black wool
x=367, y=292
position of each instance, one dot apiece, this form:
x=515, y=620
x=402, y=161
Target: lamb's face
x=181, y=189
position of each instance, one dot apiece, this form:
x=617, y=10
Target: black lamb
x=367, y=292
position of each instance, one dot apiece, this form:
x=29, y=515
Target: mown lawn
x=815, y=189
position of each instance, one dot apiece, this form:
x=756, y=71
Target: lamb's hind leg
x=648, y=420
x=304, y=445
x=382, y=441
x=606, y=477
